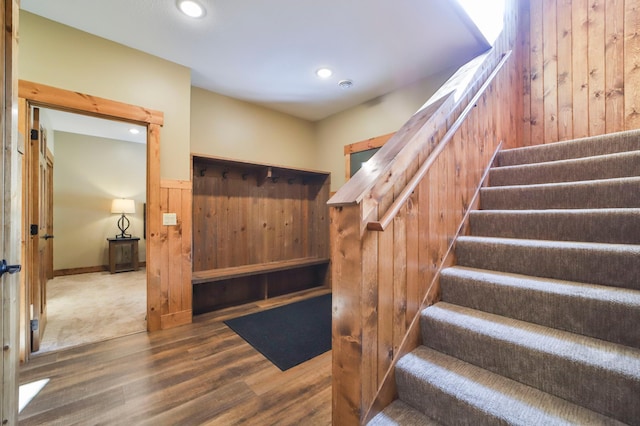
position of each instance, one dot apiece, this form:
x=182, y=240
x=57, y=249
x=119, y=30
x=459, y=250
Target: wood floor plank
x=271, y=377
x=201, y=373
x=79, y=412
x=207, y=406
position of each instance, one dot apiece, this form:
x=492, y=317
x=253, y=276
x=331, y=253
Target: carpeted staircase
x=539, y=322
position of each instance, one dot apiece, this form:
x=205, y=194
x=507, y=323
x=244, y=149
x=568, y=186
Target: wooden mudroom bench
x=218, y=288
x=259, y=231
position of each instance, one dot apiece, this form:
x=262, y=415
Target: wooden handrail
x=382, y=224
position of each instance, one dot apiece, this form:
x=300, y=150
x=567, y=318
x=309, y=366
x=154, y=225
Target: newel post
x=354, y=314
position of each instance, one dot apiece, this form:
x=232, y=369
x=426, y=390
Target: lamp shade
x=122, y=206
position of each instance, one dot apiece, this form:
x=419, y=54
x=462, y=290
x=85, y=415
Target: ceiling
x=86, y=125
x=267, y=52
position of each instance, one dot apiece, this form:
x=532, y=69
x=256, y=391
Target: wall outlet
x=169, y=219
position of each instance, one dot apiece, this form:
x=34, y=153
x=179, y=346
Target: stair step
x=399, y=413
x=614, y=226
x=601, y=376
x=624, y=164
x=578, y=148
x=603, y=193
x=615, y=265
x=607, y=313
x=456, y=392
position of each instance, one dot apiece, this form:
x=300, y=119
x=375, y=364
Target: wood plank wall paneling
x=581, y=68
x=382, y=280
x=174, y=262
x=632, y=64
x=247, y=214
x=614, y=71
x=238, y=220
x=596, y=14
x=550, y=70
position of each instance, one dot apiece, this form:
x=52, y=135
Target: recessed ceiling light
x=345, y=84
x=134, y=131
x=324, y=73
x=191, y=8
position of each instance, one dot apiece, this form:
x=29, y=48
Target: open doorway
x=33, y=282
x=94, y=161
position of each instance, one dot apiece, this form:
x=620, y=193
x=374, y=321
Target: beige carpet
x=87, y=308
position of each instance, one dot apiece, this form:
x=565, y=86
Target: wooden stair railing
x=383, y=223
x=425, y=179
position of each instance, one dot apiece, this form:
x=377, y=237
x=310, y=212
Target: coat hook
x=245, y=176
x=224, y=174
x=290, y=181
x=202, y=171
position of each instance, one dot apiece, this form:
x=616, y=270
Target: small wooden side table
x=122, y=243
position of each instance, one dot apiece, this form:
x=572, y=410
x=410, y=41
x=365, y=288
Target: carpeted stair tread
x=578, y=148
x=594, y=263
x=602, y=193
x=607, y=313
x=455, y=392
x=624, y=164
x=399, y=413
x=615, y=226
x=598, y=375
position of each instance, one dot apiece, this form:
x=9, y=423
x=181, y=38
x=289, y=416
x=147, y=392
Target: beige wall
x=88, y=173
x=227, y=127
x=60, y=56
x=380, y=116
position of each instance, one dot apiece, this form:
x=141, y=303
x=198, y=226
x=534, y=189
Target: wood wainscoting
x=173, y=296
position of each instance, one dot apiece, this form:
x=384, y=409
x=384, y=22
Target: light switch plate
x=169, y=219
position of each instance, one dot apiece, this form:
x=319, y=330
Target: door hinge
x=34, y=134
x=34, y=325
x=33, y=229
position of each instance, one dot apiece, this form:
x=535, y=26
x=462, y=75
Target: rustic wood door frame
x=35, y=94
x=10, y=206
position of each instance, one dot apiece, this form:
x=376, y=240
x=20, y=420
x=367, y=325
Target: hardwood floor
x=202, y=373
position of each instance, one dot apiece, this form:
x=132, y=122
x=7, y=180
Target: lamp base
x=123, y=225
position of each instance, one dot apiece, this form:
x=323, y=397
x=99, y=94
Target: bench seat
x=219, y=274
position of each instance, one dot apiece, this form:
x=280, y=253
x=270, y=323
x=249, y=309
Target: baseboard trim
x=86, y=270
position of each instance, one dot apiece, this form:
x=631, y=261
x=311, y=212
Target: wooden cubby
x=259, y=231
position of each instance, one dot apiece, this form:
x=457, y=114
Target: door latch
x=12, y=269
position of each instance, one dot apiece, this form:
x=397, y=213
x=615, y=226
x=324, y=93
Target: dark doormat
x=290, y=334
